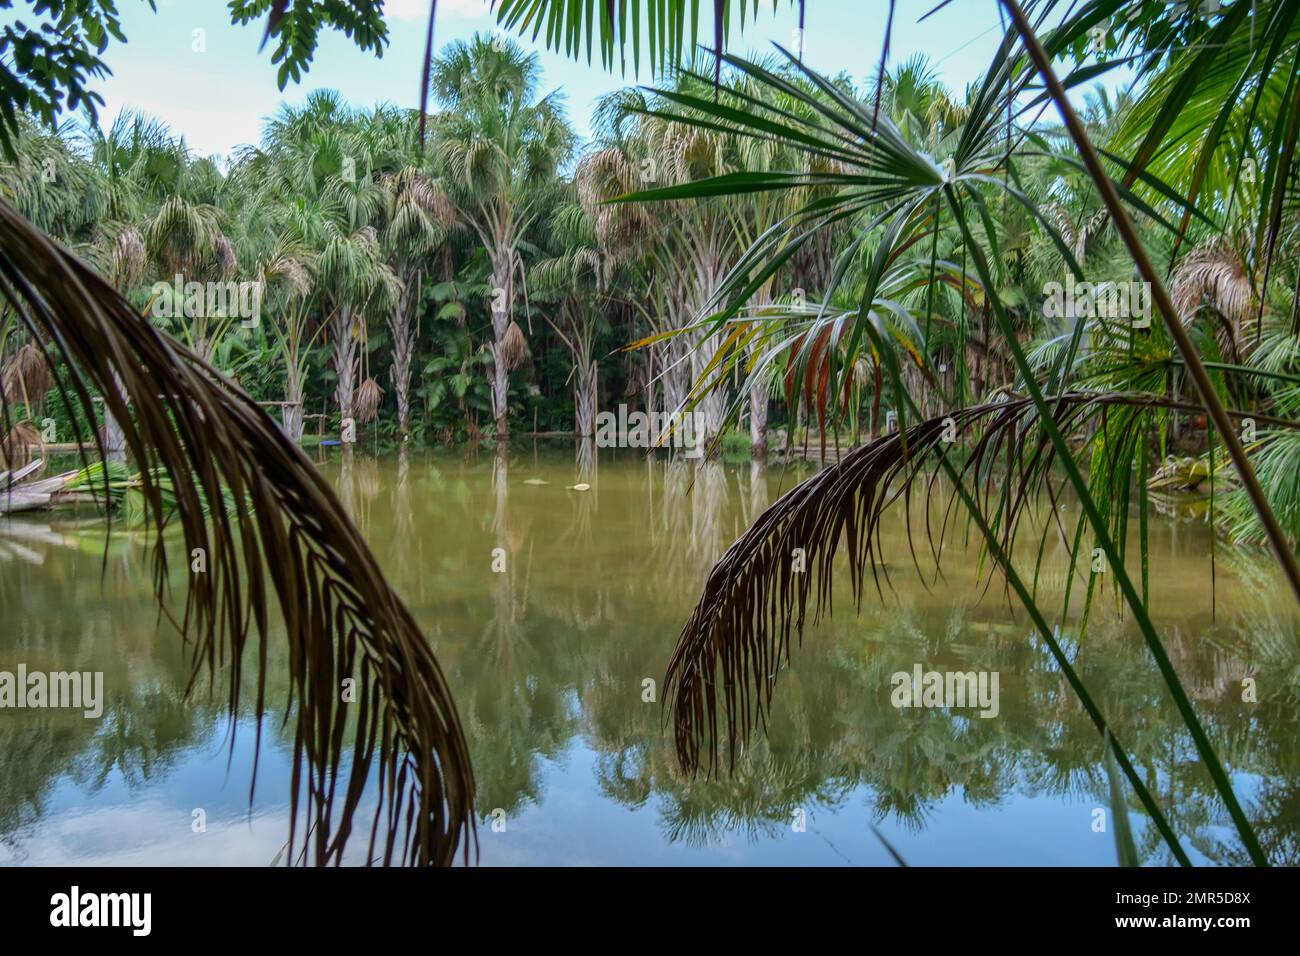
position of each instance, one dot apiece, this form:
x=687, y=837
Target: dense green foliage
x=1083, y=301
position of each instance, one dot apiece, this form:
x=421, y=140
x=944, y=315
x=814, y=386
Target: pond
x=552, y=654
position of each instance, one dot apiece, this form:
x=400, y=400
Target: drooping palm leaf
x=183, y=420
x=755, y=604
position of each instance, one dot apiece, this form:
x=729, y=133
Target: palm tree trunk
x=403, y=335
x=675, y=374
x=758, y=420
x=584, y=398
x=344, y=360
x=293, y=410
x=500, y=388
x=714, y=404
x=502, y=308
x=758, y=400
x=114, y=439
x=114, y=436
x=293, y=422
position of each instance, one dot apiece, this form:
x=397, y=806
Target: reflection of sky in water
x=546, y=663
x=151, y=825
x=122, y=824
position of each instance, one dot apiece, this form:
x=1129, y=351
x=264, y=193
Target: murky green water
x=548, y=661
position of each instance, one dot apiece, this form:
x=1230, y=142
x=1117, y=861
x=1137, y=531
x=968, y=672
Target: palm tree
x=285, y=280
x=357, y=283
x=686, y=251
x=418, y=218
x=136, y=164
x=321, y=166
x=577, y=281
x=498, y=147
x=897, y=192
x=51, y=183
x=185, y=243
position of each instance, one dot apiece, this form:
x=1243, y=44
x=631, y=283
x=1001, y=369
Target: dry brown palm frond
x=1077, y=238
x=185, y=422
x=27, y=376
x=414, y=187
x=738, y=637
x=606, y=174
x=367, y=401
x=1214, y=275
x=224, y=252
x=696, y=154
x=601, y=174
x=16, y=448
x=946, y=113
x=514, y=347
x=287, y=269
x=128, y=257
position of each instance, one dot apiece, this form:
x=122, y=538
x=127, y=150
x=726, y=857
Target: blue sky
x=218, y=98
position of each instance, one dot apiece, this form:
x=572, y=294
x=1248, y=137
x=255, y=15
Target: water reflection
x=554, y=611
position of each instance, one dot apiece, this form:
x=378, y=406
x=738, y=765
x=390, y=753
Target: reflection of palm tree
x=577, y=539
x=404, y=534
x=709, y=535
x=759, y=498
x=516, y=694
x=503, y=632
x=367, y=483
x=586, y=460
x=347, y=485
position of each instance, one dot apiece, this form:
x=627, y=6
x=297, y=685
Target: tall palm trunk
x=293, y=409
x=114, y=434
x=584, y=397
x=344, y=360
x=714, y=404
x=402, y=331
x=676, y=353
x=503, y=303
x=758, y=398
x=114, y=439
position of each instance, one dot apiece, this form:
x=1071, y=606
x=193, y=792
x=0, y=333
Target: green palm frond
x=667, y=32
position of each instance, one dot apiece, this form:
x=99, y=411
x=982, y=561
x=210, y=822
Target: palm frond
x=184, y=420
x=1214, y=275
x=514, y=347
x=739, y=636
x=665, y=31
x=370, y=396
x=26, y=377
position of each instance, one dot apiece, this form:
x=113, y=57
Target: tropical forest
x=649, y=432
